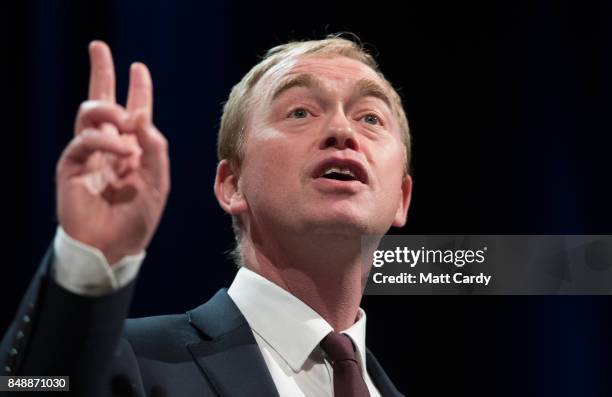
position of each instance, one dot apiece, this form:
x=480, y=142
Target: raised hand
x=113, y=178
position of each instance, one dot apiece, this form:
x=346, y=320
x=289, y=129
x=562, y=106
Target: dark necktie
x=348, y=381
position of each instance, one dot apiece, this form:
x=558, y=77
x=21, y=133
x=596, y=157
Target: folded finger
x=91, y=141
x=95, y=113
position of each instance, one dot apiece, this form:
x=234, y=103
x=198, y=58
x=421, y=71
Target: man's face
x=323, y=150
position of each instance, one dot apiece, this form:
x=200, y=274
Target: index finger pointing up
x=102, y=75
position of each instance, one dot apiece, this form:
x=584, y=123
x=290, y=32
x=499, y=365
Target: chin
x=339, y=223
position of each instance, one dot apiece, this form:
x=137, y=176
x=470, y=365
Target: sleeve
x=84, y=270
x=59, y=332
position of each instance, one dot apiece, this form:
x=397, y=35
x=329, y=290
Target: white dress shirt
x=287, y=331
x=84, y=270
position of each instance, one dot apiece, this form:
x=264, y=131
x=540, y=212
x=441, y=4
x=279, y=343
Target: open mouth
x=339, y=174
x=341, y=170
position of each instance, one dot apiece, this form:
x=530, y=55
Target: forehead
x=327, y=68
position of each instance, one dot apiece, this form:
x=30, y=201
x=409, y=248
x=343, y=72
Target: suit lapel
x=230, y=359
x=228, y=354
x=380, y=378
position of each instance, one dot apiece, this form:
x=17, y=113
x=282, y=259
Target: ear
x=227, y=189
x=402, y=209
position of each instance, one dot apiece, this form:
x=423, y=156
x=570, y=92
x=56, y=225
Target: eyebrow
x=301, y=80
x=363, y=88
x=366, y=87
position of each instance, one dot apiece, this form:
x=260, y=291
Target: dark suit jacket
x=208, y=351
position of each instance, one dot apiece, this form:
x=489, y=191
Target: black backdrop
x=509, y=107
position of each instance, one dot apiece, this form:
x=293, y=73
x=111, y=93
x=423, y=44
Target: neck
x=325, y=272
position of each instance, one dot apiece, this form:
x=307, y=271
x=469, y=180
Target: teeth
x=344, y=171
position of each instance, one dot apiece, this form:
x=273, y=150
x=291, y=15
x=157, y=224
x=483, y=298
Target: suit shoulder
x=165, y=334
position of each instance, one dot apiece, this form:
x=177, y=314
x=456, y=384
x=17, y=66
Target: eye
x=299, y=113
x=371, y=119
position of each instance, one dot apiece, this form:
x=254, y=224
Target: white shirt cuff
x=84, y=270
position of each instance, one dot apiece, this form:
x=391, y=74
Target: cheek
x=270, y=165
x=391, y=174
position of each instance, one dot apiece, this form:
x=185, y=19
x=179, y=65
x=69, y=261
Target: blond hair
x=232, y=131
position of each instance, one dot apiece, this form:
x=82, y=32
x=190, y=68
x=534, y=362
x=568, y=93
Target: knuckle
x=103, y=73
x=82, y=112
x=87, y=134
x=91, y=105
x=159, y=141
x=88, y=105
x=78, y=140
x=86, y=137
x=163, y=142
x=106, y=73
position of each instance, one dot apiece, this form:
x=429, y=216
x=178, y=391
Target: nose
x=340, y=134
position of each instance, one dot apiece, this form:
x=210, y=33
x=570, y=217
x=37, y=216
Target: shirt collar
x=287, y=324
x=357, y=333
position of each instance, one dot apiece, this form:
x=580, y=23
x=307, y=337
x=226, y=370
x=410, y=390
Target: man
x=313, y=151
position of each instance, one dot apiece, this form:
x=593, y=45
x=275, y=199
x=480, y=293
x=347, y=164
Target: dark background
x=509, y=106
